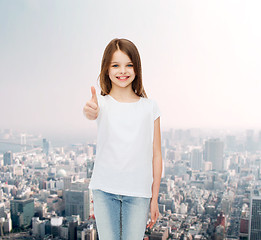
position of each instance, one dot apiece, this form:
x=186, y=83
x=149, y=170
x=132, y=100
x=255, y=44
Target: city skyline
x=210, y=188
x=199, y=61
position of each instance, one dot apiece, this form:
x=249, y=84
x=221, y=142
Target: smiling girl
x=128, y=166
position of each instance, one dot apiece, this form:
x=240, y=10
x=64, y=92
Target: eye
x=115, y=65
x=130, y=65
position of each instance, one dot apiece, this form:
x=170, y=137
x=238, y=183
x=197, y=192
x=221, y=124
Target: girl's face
x=121, y=71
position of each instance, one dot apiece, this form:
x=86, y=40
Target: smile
x=123, y=78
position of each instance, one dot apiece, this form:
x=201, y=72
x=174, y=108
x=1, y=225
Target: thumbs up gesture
x=91, y=109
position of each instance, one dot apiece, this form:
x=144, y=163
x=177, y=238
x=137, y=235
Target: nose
x=123, y=70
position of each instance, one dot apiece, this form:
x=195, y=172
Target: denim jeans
x=120, y=217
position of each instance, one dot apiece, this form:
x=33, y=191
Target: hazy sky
x=200, y=60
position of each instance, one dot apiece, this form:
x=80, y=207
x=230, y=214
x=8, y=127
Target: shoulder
x=154, y=108
x=151, y=102
x=147, y=100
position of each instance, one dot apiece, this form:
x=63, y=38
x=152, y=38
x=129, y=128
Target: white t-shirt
x=124, y=153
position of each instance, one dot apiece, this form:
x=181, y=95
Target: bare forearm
x=157, y=172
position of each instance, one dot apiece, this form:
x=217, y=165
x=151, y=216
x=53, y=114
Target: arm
x=157, y=172
x=157, y=160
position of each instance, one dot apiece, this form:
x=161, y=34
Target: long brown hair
x=131, y=50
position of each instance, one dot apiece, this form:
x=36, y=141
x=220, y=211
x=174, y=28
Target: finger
x=152, y=222
x=150, y=225
x=92, y=105
x=94, y=96
x=90, y=110
x=91, y=115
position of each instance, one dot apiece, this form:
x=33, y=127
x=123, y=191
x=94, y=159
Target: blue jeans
x=120, y=217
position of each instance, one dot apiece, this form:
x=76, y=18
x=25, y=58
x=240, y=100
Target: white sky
x=200, y=59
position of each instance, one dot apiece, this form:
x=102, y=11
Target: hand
x=91, y=108
x=154, y=212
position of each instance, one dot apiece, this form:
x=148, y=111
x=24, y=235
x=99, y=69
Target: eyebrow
x=117, y=62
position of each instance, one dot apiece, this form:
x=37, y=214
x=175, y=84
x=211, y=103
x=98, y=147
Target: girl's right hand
x=91, y=109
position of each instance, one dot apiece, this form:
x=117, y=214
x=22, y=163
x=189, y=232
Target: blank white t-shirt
x=124, y=152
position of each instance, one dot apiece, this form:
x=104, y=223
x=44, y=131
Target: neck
x=123, y=93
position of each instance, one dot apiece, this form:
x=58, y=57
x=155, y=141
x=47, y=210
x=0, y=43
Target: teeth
x=123, y=77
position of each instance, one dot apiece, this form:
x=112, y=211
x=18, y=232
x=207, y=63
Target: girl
x=128, y=166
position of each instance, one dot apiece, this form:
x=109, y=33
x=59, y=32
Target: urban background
x=200, y=62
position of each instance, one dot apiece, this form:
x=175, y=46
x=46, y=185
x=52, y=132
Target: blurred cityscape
x=210, y=187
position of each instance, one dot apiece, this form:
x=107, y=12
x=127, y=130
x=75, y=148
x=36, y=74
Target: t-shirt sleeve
x=156, y=110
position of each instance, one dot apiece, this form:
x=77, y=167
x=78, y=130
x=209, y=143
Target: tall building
x=243, y=230
x=250, y=143
x=221, y=219
x=254, y=232
x=38, y=227
x=259, y=140
x=196, y=159
x=22, y=211
x=77, y=202
x=46, y=146
x=89, y=168
x=90, y=150
x=23, y=142
x=214, y=149
x=67, y=181
x=8, y=158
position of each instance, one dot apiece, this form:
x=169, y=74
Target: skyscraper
x=250, y=143
x=46, y=146
x=254, y=232
x=214, y=149
x=22, y=211
x=77, y=203
x=8, y=158
x=196, y=159
x=259, y=140
x=23, y=142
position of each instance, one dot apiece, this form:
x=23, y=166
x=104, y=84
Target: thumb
x=94, y=96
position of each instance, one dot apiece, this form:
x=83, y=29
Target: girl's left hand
x=154, y=211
